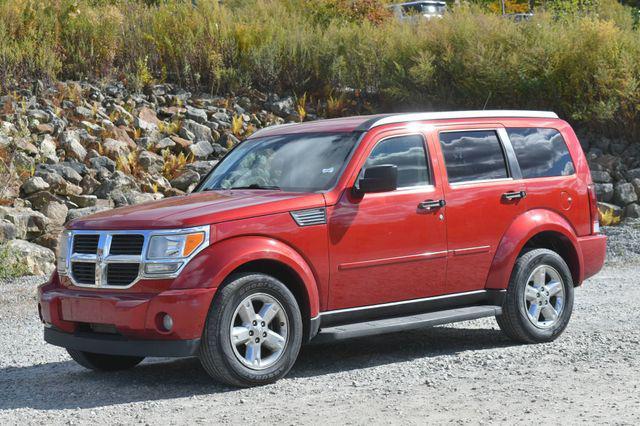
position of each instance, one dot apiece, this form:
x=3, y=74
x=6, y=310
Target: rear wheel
x=539, y=299
x=253, y=332
x=103, y=362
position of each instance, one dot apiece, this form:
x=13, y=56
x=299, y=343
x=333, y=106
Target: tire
x=101, y=362
x=246, y=362
x=526, y=299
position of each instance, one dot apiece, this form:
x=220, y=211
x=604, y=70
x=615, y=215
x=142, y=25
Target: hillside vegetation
x=583, y=64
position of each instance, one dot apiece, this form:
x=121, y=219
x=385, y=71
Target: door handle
x=514, y=195
x=429, y=205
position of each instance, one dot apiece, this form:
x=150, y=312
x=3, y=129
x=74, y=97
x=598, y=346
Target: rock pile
x=74, y=149
x=615, y=169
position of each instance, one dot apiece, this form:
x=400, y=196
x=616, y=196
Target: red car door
x=484, y=193
x=387, y=247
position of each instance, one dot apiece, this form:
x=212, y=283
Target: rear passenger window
x=405, y=152
x=473, y=155
x=541, y=152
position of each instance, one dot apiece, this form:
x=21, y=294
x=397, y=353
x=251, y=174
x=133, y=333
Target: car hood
x=198, y=209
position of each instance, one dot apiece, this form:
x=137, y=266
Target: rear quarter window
x=541, y=152
x=473, y=155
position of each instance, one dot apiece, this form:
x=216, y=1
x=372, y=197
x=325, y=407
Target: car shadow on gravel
x=65, y=385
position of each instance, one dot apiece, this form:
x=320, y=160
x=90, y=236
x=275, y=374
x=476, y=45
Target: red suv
x=334, y=229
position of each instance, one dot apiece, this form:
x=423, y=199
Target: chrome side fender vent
x=310, y=217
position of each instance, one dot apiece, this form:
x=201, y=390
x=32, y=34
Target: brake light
x=593, y=206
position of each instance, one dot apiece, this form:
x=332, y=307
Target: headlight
x=174, y=246
x=63, y=252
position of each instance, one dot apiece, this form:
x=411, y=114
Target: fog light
x=162, y=268
x=167, y=322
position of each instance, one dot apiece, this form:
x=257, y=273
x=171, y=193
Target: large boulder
x=58, y=185
x=600, y=176
x=202, y=167
x=624, y=194
x=130, y=198
x=632, y=211
x=33, y=185
x=37, y=259
x=74, y=214
x=114, y=148
x=29, y=223
x=633, y=174
x=196, y=114
x=117, y=180
x=186, y=181
x=8, y=231
x=150, y=162
x=70, y=141
x=147, y=119
x=201, y=150
x=200, y=132
x=604, y=192
x=48, y=150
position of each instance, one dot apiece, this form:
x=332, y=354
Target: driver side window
x=408, y=154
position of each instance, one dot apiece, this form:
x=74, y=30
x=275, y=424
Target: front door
x=390, y=246
x=484, y=193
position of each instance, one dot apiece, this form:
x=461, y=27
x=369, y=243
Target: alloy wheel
x=259, y=331
x=544, y=297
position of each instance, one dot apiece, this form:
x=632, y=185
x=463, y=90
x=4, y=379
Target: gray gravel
x=624, y=242
x=467, y=373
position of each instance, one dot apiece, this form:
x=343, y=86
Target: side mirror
x=381, y=178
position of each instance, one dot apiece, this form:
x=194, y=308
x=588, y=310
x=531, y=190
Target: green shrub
x=10, y=264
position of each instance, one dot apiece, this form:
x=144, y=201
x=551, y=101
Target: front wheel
x=101, y=362
x=539, y=298
x=253, y=332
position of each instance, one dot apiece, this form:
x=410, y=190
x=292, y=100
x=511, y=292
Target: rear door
x=484, y=193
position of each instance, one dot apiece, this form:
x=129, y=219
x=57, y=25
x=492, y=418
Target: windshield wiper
x=257, y=186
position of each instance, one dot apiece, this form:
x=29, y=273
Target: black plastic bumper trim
x=117, y=345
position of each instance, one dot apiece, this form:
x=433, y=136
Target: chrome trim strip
x=392, y=260
x=404, y=302
x=452, y=115
x=102, y=258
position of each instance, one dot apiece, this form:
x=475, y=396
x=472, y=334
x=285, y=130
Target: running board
x=392, y=325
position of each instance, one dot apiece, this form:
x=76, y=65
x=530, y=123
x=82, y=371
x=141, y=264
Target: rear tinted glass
x=405, y=152
x=541, y=152
x=473, y=155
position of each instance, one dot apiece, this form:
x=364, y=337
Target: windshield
x=297, y=163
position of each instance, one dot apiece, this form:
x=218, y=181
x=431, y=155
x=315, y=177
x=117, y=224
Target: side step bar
x=412, y=322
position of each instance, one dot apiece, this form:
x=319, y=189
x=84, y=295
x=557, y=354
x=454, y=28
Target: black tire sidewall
x=548, y=258
x=224, y=308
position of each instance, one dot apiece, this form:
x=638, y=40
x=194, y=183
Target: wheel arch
x=537, y=228
x=217, y=263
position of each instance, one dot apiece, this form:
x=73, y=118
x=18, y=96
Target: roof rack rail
x=450, y=115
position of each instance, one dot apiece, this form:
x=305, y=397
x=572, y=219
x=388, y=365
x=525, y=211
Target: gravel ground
x=467, y=373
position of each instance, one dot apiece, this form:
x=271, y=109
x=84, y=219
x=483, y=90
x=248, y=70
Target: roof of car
x=362, y=123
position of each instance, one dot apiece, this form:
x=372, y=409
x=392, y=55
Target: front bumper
x=124, y=323
x=118, y=345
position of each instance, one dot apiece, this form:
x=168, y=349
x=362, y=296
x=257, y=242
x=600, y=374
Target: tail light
x=593, y=206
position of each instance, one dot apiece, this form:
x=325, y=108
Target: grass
x=581, y=59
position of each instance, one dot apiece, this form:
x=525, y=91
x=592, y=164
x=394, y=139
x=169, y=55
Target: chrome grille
x=122, y=274
x=85, y=243
x=310, y=217
x=126, y=244
x=84, y=272
x=117, y=259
